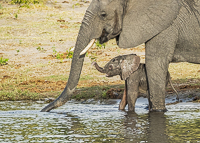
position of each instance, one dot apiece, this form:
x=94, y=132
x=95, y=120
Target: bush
x=69, y=54
x=27, y=2
x=3, y=61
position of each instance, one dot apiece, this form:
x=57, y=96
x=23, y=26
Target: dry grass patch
x=184, y=71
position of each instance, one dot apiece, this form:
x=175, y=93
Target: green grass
x=3, y=61
x=96, y=92
x=27, y=2
x=65, y=77
x=56, y=78
x=86, y=77
x=18, y=95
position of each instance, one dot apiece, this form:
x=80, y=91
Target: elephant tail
x=170, y=82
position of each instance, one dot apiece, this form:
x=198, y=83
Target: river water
x=98, y=121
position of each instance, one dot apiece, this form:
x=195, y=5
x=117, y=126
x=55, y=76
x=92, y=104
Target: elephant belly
x=187, y=51
x=143, y=85
x=188, y=44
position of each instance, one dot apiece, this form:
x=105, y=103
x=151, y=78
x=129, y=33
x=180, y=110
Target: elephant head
x=123, y=65
x=130, y=22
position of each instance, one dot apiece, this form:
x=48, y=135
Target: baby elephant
x=133, y=72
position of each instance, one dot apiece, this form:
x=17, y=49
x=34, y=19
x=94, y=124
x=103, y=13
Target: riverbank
x=37, y=40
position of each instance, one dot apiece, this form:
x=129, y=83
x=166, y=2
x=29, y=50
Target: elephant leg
x=159, y=52
x=156, y=83
x=148, y=96
x=132, y=90
x=123, y=102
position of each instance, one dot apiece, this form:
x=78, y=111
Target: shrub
x=100, y=46
x=69, y=54
x=27, y=2
x=3, y=61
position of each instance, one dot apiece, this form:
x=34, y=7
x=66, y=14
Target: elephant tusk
x=88, y=47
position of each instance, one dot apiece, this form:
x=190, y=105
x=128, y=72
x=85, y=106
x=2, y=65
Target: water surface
x=95, y=121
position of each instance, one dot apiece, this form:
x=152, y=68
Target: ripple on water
x=97, y=122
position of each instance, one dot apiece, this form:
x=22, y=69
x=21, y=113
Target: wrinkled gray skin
x=129, y=68
x=169, y=28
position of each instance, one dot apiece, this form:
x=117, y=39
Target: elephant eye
x=113, y=60
x=110, y=67
x=103, y=14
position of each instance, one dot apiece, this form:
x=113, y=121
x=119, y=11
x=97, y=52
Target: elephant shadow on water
x=129, y=68
x=170, y=30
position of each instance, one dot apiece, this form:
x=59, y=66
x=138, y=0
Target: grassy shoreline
x=16, y=93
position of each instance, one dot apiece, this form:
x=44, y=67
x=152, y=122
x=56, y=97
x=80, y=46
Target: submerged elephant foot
x=132, y=109
x=158, y=107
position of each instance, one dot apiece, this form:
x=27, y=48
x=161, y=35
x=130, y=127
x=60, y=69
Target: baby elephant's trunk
x=100, y=69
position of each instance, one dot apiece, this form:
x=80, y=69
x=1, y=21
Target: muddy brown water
x=98, y=121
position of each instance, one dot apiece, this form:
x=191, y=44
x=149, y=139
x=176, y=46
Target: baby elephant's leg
x=132, y=91
x=123, y=102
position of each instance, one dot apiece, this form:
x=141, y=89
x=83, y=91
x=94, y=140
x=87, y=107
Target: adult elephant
x=169, y=28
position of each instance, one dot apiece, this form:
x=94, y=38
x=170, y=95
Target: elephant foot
x=131, y=110
x=158, y=110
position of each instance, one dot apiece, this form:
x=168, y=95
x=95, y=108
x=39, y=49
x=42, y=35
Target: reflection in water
x=149, y=127
x=98, y=122
x=157, y=128
x=135, y=127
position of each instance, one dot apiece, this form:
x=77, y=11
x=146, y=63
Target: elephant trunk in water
x=77, y=62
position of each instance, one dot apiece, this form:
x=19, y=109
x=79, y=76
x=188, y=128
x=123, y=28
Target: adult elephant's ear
x=128, y=65
x=144, y=19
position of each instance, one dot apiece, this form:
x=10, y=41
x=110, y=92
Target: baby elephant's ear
x=129, y=64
